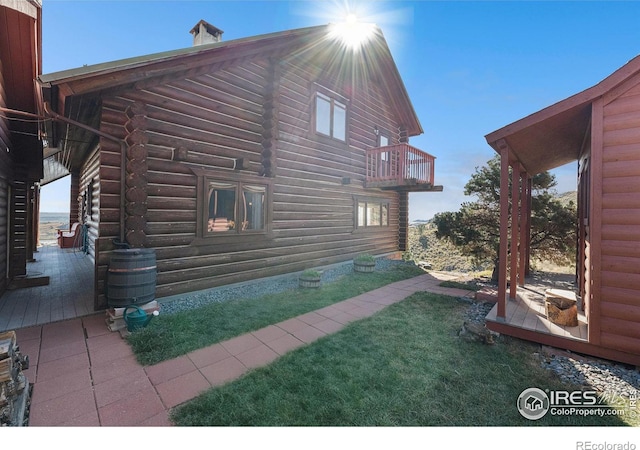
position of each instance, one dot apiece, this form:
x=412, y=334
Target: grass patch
x=470, y=285
x=404, y=366
x=174, y=335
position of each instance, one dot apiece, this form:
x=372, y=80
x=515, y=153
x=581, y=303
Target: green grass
x=404, y=366
x=468, y=285
x=170, y=336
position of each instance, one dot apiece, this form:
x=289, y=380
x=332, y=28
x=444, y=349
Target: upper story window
x=331, y=116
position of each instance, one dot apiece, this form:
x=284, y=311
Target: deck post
x=74, y=189
x=515, y=231
x=504, y=230
x=525, y=214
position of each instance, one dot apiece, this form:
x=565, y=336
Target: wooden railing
x=399, y=165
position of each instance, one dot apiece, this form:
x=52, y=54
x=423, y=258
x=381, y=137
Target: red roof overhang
x=555, y=136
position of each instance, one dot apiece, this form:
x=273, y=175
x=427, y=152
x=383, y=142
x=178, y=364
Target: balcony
x=400, y=167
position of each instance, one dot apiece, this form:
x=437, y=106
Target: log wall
x=5, y=176
x=89, y=191
x=620, y=218
x=259, y=112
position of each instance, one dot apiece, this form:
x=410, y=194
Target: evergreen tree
x=475, y=228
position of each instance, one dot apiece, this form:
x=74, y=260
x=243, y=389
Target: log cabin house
x=21, y=149
x=600, y=129
x=238, y=159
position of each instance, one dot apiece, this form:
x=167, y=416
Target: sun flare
x=352, y=32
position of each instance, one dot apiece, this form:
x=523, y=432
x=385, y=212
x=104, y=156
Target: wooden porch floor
x=527, y=311
x=526, y=319
x=69, y=293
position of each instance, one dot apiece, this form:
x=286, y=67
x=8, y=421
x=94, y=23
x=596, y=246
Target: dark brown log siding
x=5, y=176
x=90, y=185
x=620, y=291
x=216, y=118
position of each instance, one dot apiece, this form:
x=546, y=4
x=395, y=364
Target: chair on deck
x=67, y=239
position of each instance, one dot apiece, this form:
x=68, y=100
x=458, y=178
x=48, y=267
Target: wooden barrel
x=131, y=278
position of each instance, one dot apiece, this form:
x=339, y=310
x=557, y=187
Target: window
x=235, y=207
x=331, y=117
x=372, y=213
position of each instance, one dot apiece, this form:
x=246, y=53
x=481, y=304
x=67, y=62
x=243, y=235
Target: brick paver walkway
x=85, y=375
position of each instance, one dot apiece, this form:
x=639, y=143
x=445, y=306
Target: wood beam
x=595, y=219
x=504, y=230
x=515, y=228
x=527, y=267
x=525, y=214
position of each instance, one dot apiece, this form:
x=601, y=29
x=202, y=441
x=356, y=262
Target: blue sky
x=470, y=67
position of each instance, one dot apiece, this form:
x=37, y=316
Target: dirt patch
x=49, y=230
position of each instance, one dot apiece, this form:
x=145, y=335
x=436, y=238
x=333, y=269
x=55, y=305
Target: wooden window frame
x=204, y=177
x=383, y=134
x=332, y=97
x=370, y=200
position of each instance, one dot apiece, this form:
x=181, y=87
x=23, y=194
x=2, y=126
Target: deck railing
x=399, y=165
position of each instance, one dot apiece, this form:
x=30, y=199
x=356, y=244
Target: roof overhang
x=556, y=135
x=77, y=92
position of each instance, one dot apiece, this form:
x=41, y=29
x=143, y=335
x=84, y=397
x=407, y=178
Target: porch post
x=504, y=230
x=29, y=247
x=403, y=219
x=515, y=231
x=527, y=230
x=74, y=206
x=525, y=213
x=36, y=216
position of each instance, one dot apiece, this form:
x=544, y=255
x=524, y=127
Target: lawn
x=404, y=366
x=170, y=336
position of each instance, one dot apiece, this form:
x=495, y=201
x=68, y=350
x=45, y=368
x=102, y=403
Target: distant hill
x=441, y=255
x=46, y=217
x=424, y=246
x=50, y=222
x=566, y=197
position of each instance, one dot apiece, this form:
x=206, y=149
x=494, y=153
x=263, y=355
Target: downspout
x=123, y=158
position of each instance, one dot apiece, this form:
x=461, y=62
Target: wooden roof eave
x=98, y=78
x=62, y=90
x=554, y=135
x=102, y=76
x=397, y=91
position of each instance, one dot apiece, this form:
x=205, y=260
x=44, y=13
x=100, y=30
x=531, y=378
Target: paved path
x=85, y=375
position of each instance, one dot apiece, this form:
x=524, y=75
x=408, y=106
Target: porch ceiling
x=552, y=142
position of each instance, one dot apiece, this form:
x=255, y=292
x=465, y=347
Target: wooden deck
x=526, y=319
x=527, y=312
x=69, y=293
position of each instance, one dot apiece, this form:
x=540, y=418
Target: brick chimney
x=205, y=33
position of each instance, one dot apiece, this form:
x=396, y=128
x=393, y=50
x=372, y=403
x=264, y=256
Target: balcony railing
x=400, y=165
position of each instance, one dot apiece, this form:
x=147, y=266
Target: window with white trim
x=330, y=117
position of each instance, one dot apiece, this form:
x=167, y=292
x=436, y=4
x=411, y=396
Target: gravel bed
x=257, y=288
x=603, y=376
x=607, y=377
